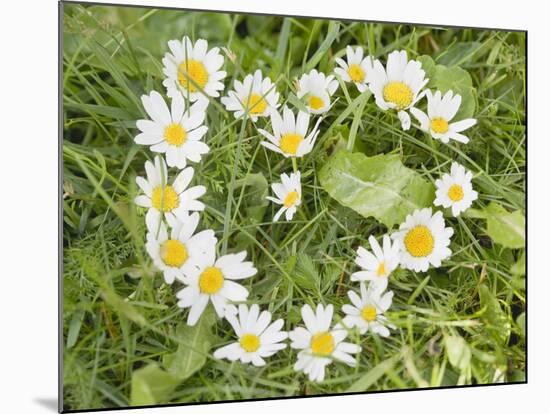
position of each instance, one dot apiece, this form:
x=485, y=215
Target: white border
x=28, y=204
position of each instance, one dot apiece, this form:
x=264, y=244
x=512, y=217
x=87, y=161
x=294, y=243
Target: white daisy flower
x=317, y=88
x=377, y=267
x=214, y=280
x=258, y=337
x=255, y=94
x=424, y=240
x=290, y=134
x=320, y=344
x=357, y=69
x=455, y=190
x=192, y=70
x=398, y=86
x=174, y=200
x=367, y=311
x=173, y=131
x=178, y=253
x=441, y=110
x=289, y=195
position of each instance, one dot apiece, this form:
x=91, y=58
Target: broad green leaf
x=454, y=78
x=518, y=268
x=510, y=92
x=458, y=352
x=212, y=26
x=475, y=213
x=495, y=319
x=255, y=195
x=507, y=229
x=460, y=82
x=379, y=186
x=374, y=374
x=428, y=65
x=151, y=385
x=193, y=348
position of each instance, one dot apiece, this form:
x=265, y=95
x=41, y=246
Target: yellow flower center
x=455, y=193
x=439, y=125
x=322, y=343
x=356, y=73
x=173, y=253
x=291, y=199
x=368, y=313
x=398, y=93
x=419, y=241
x=174, y=134
x=194, y=70
x=381, y=269
x=256, y=104
x=250, y=342
x=165, y=198
x=315, y=102
x=211, y=280
x=289, y=143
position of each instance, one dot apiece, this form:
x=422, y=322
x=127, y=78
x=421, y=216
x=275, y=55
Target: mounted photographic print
x=263, y=206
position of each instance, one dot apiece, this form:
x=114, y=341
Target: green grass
x=119, y=315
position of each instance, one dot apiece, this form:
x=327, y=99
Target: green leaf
x=418, y=290
x=332, y=33
x=373, y=375
x=212, y=26
x=296, y=102
x=331, y=275
x=151, y=385
x=518, y=268
x=518, y=273
x=123, y=307
x=255, y=196
x=379, y=186
x=454, y=78
x=110, y=111
x=458, y=53
x=475, y=213
x=507, y=229
x=305, y=273
x=254, y=205
x=428, y=65
x=458, y=352
x=520, y=320
x=495, y=319
x=194, y=344
x=282, y=44
x=74, y=327
x=114, y=70
x=460, y=82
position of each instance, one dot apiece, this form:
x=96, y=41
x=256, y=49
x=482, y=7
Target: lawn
x=126, y=342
